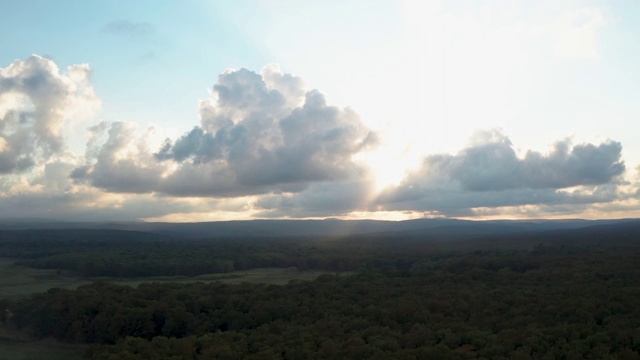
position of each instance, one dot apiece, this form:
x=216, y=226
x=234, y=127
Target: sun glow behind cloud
x=461, y=69
x=450, y=74
x=421, y=109
x=430, y=81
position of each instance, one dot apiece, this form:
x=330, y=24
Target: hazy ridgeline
x=414, y=290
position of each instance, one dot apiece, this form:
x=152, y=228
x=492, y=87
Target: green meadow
x=18, y=281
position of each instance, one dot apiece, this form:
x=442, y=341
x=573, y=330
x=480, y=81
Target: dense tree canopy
x=562, y=301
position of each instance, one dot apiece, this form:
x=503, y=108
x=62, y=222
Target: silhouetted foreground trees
x=543, y=303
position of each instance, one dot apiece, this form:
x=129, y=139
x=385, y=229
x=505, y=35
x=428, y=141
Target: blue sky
x=352, y=109
x=152, y=60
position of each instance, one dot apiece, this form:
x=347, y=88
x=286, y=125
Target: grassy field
x=278, y=276
x=20, y=281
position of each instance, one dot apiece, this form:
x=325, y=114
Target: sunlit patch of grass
x=20, y=280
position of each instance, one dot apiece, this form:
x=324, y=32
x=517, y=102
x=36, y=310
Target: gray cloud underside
x=319, y=200
x=460, y=203
x=341, y=198
x=489, y=174
x=74, y=207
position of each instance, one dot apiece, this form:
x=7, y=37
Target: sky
x=194, y=110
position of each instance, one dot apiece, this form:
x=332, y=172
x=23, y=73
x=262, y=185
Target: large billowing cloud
x=491, y=163
x=118, y=161
x=489, y=174
x=259, y=133
x=35, y=101
x=268, y=147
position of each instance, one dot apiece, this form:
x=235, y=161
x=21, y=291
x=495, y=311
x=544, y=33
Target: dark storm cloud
x=489, y=174
x=253, y=139
x=35, y=101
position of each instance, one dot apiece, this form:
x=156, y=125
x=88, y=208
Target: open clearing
x=20, y=281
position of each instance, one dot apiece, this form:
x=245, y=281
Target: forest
x=545, y=294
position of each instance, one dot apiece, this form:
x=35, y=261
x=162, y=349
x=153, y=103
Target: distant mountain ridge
x=328, y=227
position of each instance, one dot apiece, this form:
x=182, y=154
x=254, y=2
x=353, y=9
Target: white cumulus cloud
x=36, y=100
